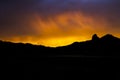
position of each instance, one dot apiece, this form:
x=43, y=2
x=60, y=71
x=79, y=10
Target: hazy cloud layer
x=16, y=15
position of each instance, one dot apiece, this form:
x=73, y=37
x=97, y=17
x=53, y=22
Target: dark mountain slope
x=78, y=61
x=107, y=45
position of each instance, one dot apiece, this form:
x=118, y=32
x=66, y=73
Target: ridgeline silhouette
x=107, y=45
x=96, y=59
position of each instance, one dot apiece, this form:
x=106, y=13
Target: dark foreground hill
x=96, y=59
x=107, y=45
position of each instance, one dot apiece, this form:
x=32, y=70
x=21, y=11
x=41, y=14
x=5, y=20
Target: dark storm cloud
x=15, y=15
x=86, y=6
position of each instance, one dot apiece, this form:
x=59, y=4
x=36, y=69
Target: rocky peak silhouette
x=95, y=37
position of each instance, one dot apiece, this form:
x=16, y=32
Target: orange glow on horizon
x=63, y=29
x=52, y=42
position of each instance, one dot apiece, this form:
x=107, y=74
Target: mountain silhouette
x=107, y=45
x=97, y=58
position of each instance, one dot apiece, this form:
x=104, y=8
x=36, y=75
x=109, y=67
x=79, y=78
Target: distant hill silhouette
x=95, y=59
x=107, y=45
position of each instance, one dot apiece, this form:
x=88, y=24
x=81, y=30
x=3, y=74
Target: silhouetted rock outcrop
x=95, y=37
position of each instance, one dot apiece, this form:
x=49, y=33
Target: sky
x=58, y=22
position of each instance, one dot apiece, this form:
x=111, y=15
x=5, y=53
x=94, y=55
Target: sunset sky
x=57, y=22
